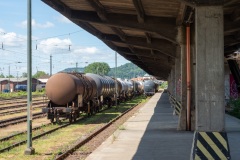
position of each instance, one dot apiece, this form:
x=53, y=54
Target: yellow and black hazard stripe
x=211, y=146
x=178, y=107
x=172, y=100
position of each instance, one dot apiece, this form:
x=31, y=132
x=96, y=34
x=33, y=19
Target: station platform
x=151, y=134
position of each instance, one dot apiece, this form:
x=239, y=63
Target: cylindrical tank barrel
x=149, y=86
x=129, y=86
x=105, y=85
x=61, y=88
x=111, y=85
x=141, y=87
x=99, y=83
x=124, y=86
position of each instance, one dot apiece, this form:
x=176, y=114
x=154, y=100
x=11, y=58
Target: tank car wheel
x=97, y=108
x=74, y=118
x=52, y=120
x=109, y=104
x=70, y=118
x=94, y=110
x=91, y=111
x=58, y=120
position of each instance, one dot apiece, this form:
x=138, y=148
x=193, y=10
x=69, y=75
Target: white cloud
x=1, y=30
x=11, y=39
x=63, y=19
x=86, y=50
x=37, y=25
x=53, y=45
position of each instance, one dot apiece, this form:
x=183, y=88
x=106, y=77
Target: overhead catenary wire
x=37, y=39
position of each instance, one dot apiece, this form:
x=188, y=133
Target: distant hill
x=81, y=70
x=127, y=71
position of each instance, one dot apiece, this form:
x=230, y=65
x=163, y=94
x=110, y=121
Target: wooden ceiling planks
x=143, y=31
x=134, y=33
x=103, y=28
x=167, y=8
x=78, y=5
x=118, y=6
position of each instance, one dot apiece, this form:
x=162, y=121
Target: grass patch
x=23, y=137
x=122, y=127
x=19, y=94
x=114, y=137
x=57, y=142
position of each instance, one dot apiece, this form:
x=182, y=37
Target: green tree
x=24, y=75
x=10, y=76
x=2, y=76
x=39, y=74
x=128, y=70
x=97, y=68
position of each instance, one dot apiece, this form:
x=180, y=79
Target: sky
x=52, y=34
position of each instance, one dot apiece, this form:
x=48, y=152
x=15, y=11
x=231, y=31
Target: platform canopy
x=145, y=31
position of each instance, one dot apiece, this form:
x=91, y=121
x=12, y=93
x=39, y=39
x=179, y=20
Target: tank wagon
x=150, y=87
x=138, y=87
x=70, y=94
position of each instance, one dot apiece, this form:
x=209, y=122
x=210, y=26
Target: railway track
x=20, y=109
x=91, y=136
x=12, y=141
x=6, y=102
x=15, y=120
x=33, y=138
x=7, y=148
x=17, y=105
x=8, y=107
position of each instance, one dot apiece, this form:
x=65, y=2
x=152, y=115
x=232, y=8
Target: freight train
x=150, y=87
x=70, y=94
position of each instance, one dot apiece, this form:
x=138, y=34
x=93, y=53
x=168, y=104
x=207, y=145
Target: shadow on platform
x=161, y=140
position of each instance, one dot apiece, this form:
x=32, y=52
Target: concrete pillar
x=169, y=83
x=178, y=74
x=193, y=77
x=173, y=82
x=168, y=80
x=182, y=41
x=209, y=94
x=183, y=98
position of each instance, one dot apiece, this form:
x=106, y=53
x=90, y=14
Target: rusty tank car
x=71, y=94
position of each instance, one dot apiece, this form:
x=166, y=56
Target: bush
x=235, y=107
x=164, y=85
